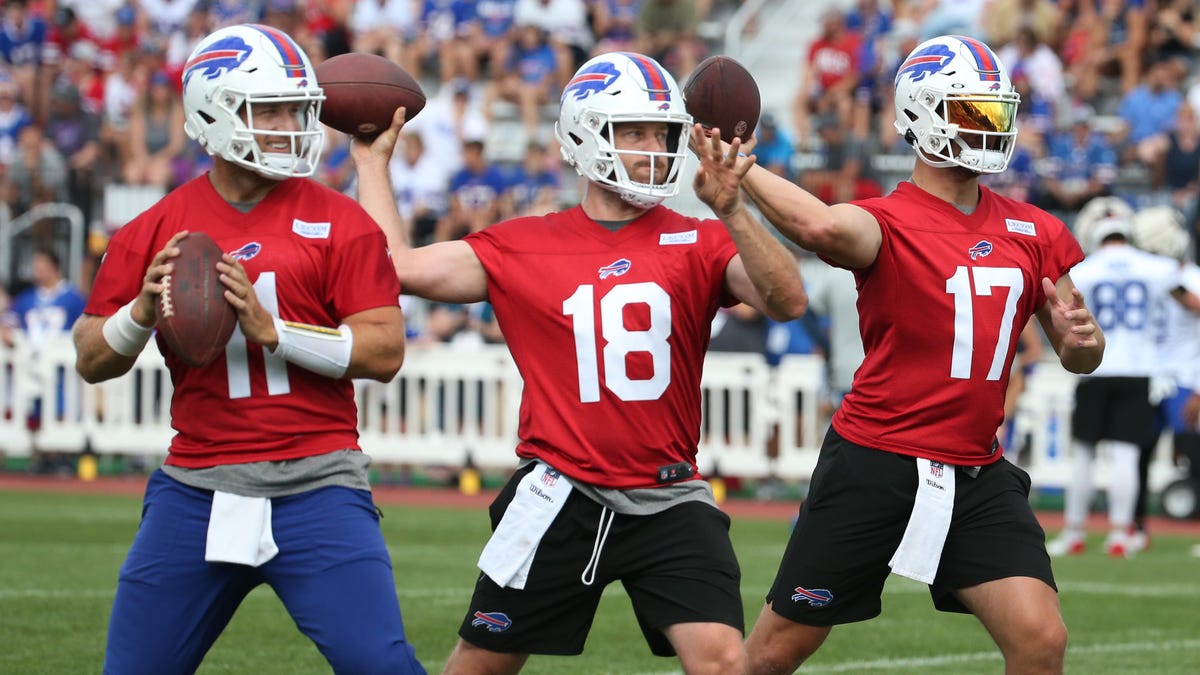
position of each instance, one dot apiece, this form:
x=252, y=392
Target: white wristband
x=126, y=336
x=324, y=351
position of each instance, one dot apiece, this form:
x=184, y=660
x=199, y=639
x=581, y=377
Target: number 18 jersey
x=940, y=312
x=609, y=331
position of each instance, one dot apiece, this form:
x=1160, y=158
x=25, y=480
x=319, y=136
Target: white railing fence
x=452, y=403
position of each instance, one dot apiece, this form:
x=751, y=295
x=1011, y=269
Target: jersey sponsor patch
x=496, y=622
x=310, y=230
x=1021, y=227
x=672, y=238
x=817, y=597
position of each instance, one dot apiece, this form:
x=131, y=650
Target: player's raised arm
x=764, y=274
x=446, y=271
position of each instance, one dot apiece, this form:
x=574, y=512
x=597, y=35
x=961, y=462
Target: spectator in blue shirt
x=1150, y=108
x=475, y=193
x=1080, y=165
x=775, y=147
x=533, y=185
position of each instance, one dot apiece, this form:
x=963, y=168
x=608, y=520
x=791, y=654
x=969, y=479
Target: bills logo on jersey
x=217, y=59
x=817, y=597
x=590, y=81
x=980, y=250
x=247, y=251
x=924, y=63
x=615, y=269
x=496, y=622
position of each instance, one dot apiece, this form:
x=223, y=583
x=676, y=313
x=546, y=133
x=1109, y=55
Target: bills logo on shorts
x=615, y=269
x=217, y=59
x=983, y=248
x=247, y=251
x=817, y=597
x=496, y=622
x=590, y=81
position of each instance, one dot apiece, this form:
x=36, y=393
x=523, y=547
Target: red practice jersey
x=941, y=310
x=314, y=256
x=609, y=331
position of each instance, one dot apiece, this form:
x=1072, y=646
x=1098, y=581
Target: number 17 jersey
x=941, y=310
x=609, y=331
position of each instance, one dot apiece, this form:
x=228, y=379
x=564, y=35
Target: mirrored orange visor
x=977, y=114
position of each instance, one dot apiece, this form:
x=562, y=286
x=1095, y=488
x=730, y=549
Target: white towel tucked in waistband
x=920, y=550
x=509, y=553
x=239, y=530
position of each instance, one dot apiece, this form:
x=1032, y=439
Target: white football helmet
x=235, y=68
x=614, y=88
x=1101, y=217
x=1160, y=230
x=956, y=105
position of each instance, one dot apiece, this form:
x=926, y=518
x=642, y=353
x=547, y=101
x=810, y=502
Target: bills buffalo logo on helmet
x=615, y=269
x=496, y=622
x=216, y=59
x=983, y=248
x=926, y=62
x=591, y=80
x=247, y=251
x=817, y=597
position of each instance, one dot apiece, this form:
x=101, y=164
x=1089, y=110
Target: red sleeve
x=1065, y=253
x=122, y=268
x=362, y=276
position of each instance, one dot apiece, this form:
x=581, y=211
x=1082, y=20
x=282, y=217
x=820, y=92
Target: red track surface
x=444, y=497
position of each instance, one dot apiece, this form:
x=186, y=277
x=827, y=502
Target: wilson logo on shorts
x=983, y=248
x=817, y=597
x=496, y=622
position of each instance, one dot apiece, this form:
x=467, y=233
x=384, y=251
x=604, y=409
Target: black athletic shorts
x=857, y=509
x=677, y=566
x=1114, y=409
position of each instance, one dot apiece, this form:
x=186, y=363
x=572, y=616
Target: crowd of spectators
x=89, y=96
x=1110, y=91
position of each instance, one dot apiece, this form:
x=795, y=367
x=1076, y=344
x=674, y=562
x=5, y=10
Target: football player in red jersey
x=911, y=478
x=606, y=308
x=264, y=481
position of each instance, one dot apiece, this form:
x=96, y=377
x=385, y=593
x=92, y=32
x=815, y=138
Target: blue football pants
x=332, y=572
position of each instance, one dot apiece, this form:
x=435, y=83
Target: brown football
x=363, y=90
x=721, y=93
x=194, y=318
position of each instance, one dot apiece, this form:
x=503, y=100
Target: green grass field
x=60, y=554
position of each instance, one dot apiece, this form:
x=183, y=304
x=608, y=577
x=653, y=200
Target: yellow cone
x=87, y=467
x=468, y=481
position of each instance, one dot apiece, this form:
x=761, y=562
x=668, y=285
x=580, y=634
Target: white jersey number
x=237, y=364
x=961, y=287
x=619, y=341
